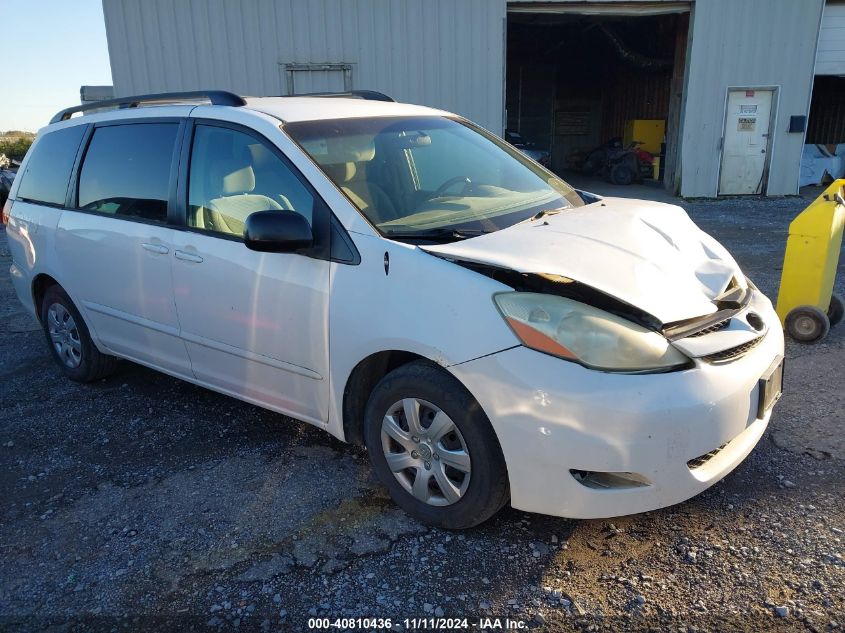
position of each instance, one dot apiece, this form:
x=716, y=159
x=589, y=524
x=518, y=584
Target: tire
x=69, y=340
x=836, y=309
x=589, y=168
x=594, y=162
x=621, y=174
x=472, y=493
x=807, y=324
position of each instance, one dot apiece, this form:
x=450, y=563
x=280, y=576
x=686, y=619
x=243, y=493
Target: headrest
x=347, y=149
x=232, y=176
x=261, y=156
x=341, y=172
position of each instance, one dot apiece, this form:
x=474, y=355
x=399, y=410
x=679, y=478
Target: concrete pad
x=600, y=186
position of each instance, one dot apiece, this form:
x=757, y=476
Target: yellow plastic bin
x=806, y=303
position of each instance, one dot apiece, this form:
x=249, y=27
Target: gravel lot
x=145, y=503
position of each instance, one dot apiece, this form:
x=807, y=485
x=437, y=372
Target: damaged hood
x=647, y=254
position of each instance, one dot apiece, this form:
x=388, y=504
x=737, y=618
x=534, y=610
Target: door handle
x=188, y=257
x=161, y=249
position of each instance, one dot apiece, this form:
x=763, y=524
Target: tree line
x=15, y=146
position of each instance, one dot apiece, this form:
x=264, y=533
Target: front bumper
x=553, y=417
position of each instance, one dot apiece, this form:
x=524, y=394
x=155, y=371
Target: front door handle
x=188, y=257
x=161, y=249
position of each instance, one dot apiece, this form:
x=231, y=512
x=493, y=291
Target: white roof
x=290, y=109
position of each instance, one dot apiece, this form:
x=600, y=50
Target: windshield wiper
x=542, y=214
x=438, y=234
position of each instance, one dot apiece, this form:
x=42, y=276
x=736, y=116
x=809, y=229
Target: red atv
x=621, y=165
x=632, y=164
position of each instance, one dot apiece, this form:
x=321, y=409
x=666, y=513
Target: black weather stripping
x=217, y=97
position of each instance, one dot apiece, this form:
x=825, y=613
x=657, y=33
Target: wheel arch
x=40, y=283
x=360, y=384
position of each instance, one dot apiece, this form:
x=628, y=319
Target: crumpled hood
x=647, y=254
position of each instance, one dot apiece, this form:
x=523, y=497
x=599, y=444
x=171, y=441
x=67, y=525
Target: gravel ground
x=145, y=503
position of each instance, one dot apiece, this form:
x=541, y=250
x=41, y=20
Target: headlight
x=589, y=336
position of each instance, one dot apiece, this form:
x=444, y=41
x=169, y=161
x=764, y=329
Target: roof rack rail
x=217, y=97
x=369, y=95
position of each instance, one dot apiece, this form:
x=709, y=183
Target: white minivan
x=401, y=278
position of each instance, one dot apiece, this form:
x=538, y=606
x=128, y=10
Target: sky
x=50, y=49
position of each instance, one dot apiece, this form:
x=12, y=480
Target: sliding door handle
x=188, y=257
x=161, y=249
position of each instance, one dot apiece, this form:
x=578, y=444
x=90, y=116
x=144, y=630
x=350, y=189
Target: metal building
x=731, y=80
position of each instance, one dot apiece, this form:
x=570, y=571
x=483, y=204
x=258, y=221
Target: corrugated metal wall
x=831, y=57
x=747, y=43
x=443, y=53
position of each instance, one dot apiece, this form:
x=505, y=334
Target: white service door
x=255, y=324
x=746, y=142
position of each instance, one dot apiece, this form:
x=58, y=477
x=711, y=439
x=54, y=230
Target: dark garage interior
x=826, y=125
x=574, y=81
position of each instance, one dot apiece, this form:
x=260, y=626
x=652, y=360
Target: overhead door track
x=581, y=7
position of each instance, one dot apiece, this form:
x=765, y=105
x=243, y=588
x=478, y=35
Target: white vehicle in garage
x=399, y=277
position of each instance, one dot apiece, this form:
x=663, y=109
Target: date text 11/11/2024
x=419, y=624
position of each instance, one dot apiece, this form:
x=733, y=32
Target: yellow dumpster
x=806, y=303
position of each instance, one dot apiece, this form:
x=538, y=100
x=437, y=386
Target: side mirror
x=277, y=232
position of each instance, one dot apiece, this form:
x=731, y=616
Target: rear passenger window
x=48, y=169
x=126, y=171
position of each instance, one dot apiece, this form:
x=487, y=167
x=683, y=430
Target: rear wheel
x=69, y=340
x=807, y=324
x=836, y=309
x=434, y=449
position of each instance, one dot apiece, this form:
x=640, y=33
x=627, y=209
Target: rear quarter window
x=48, y=169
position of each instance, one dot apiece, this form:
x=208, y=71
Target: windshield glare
x=416, y=175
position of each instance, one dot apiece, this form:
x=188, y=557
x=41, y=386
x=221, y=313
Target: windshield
x=431, y=176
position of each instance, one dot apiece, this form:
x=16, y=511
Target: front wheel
x=433, y=448
x=621, y=174
x=594, y=162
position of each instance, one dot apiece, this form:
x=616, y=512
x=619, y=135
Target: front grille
x=733, y=353
x=721, y=325
x=698, y=462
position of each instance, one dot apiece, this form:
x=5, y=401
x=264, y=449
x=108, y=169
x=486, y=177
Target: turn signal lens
x=578, y=332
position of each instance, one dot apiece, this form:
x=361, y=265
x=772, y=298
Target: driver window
x=233, y=175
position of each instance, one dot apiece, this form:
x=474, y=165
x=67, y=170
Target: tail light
x=7, y=211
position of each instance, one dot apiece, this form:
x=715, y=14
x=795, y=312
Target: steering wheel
x=453, y=181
